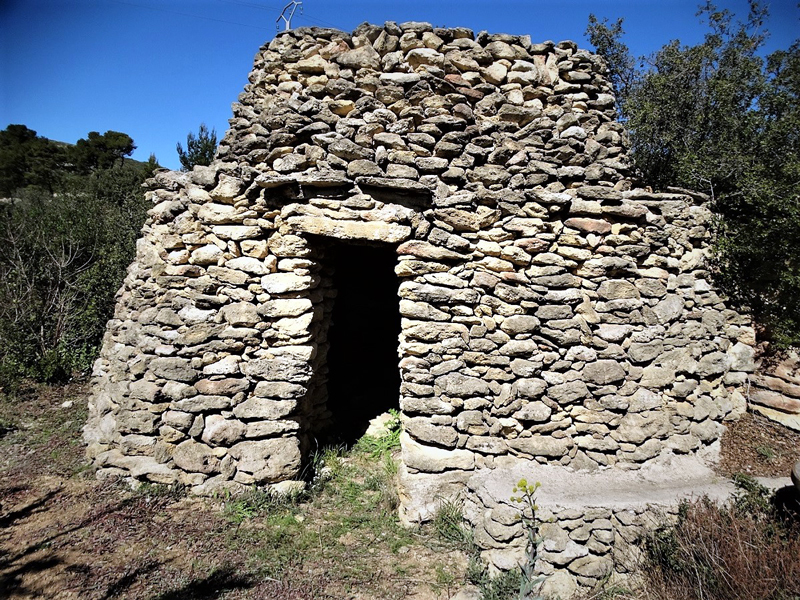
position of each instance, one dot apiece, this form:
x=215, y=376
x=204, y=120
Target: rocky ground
x=64, y=535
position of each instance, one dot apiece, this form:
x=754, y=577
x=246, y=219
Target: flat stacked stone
x=552, y=312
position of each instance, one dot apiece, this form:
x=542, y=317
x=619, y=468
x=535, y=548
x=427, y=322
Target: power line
x=184, y=14
x=252, y=4
x=299, y=17
x=307, y=18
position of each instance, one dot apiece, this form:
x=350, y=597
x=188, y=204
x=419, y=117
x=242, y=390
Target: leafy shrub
x=63, y=256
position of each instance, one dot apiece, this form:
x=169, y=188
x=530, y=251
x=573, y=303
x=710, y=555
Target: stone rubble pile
x=551, y=311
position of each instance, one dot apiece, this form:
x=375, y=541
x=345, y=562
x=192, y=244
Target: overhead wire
x=252, y=4
x=300, y=16
x=195, y=15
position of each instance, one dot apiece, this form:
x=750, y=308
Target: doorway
x=362, y=359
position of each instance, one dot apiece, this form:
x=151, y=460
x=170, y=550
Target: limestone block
x=434, y=460
x=177, y=419
x=225, y=366
x=614, y=289
x=421, y=429
x=140, y=466
x=191, y=315
x=195, y=457
x=202, y=403
x=645, y=352
x=669, y=309
x=425, y=406
x=364, y=57
x=136, y=421
x=293, y=307
x=437, y=294
x=486, y=444
x=264, y=408
x=261, y=429
x=219, y=214
x=206, y=255
x=595, y=567
x=572, y=551
x=281, y=283
x=560, y=584
x=520, y=324
x=236, y=232
x=221, y=431
x=656, y=377
x=538, y=412
x=376, y=231
x=462, y=220
x=603, y=372
x=227, y=189
x=175, y=390
x=269, y=460
x=278, y=389
x=241, y=313
x=529, y=388
x=636, y=428
x=457, y=384
x=278, y=369
x=712, y=364
x=742, y=357
x=248, y=264
x=434, y=332
x=541, y=445
x=566, y=393
x=221, y=387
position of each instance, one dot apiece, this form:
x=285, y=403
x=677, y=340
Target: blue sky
x=156, y=69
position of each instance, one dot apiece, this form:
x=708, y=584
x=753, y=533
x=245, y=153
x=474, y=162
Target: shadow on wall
x=363, y=372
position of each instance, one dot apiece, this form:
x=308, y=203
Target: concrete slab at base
x=591, y=523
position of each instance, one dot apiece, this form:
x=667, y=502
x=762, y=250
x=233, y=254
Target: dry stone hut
x=443, y=223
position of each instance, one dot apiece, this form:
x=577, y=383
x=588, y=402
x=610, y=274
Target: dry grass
x=747, y=550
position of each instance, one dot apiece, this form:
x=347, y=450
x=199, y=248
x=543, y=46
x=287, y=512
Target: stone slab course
x=554, y=314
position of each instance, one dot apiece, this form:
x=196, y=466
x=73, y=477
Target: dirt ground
x=757, y=446
x=64, y=535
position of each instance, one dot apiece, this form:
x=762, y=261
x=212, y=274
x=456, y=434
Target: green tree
x=102, y=151
x=718, y=118
x=200, y=150
x=27, y=159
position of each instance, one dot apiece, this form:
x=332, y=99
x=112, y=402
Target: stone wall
x=552, y=312
x=775, y=391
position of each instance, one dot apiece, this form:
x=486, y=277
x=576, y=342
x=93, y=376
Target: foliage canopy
x=720, y=118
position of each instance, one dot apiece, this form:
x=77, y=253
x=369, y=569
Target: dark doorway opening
x=363, y=372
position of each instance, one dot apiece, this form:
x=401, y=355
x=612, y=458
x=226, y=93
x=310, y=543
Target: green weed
x=765, y=452
x=256, y=501
x=450, y=527
x=383, y=444
x=503, y=586
x=530, y=582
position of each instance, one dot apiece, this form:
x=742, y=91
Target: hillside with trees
x=69, y=219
